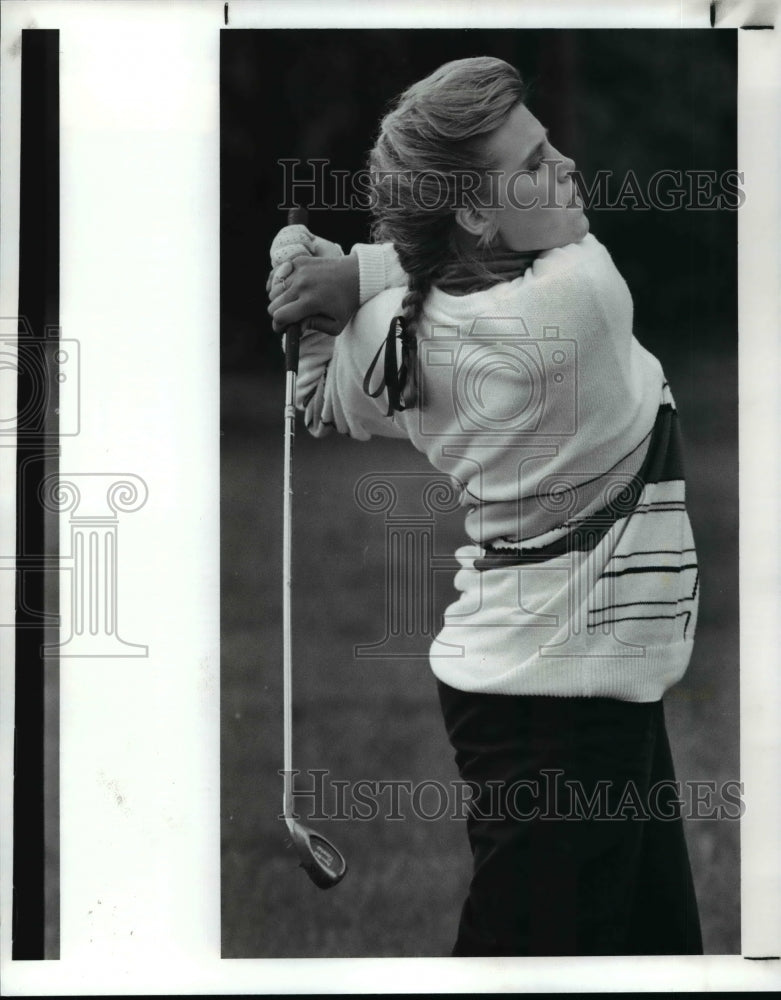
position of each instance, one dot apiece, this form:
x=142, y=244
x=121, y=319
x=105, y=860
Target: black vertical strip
x=37, y=450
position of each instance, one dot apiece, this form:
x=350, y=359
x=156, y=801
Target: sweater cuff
x=378, y=269
x=371, y=270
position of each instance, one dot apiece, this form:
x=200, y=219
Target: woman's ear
x=475, y=222
x=471, y=219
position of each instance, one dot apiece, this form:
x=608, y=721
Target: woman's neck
x=482, y=269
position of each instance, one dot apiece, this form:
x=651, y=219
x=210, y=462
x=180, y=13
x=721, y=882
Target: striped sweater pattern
x=560, y=432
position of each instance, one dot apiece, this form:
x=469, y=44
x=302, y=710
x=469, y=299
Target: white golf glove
x=296, y=241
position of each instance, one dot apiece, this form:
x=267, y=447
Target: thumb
x=325, y=248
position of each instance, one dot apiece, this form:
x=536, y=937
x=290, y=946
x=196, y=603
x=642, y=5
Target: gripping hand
x=311, y=283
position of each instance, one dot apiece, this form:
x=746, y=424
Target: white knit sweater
x=559, y=429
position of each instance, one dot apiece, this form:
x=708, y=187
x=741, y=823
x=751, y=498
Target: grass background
x=379, y=719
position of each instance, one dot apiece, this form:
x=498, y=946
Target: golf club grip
x=295, y=216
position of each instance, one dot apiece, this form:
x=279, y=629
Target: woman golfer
x=487, y=326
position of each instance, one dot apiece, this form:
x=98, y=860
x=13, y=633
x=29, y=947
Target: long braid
x=411, y=312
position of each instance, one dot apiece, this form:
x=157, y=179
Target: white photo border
x=140, y=837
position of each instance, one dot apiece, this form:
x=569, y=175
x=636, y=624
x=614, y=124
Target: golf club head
x=319, y=858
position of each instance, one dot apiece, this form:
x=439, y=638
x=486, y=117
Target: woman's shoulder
x=580, y=270
x=572, y=274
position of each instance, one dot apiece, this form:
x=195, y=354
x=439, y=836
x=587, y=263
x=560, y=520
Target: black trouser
x=564, y=863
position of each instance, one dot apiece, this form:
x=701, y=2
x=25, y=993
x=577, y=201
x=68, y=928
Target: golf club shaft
x=323, y=862
x=292, y=336
x=287, y=656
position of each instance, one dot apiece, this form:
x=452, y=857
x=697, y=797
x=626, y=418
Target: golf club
x=319, y=858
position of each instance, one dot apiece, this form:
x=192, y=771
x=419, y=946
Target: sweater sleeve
x=331, y=373
x=315, y=353
x=356, y=415
x=378, y=268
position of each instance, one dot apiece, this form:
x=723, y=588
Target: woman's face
x=539, y=205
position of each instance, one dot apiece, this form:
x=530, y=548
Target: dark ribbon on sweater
x=395, y=378
x=493, y=267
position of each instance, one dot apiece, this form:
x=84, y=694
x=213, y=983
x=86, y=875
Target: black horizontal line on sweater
x=629, y=604
x=640, y=618
x=645, y=618
x=651, y=552
x=659, y=504
x=637, y=604
x=649, y=569
x=584, y=538
x=632, y=604
x=659, y=507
